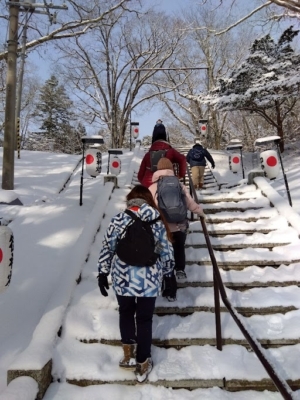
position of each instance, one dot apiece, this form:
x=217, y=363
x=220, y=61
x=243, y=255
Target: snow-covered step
x=146, y=391
x=241, y=206
x=248, y=277
x=196, y=329
x=190, y=367
x=272, y=238
x=189, y=299
x=268, y=300
x=247, y=216
x=276, y=222
x=230, y=196
x=246, y=257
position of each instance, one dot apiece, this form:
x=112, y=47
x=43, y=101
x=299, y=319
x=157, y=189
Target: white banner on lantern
x=115, y=165
x=93, y=162
x=6, y=256
x=135, y=131
x=234, y=162
x=270, y=163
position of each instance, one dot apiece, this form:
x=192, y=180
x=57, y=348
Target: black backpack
x=171, y=199
x=155, y=156
x=137, y=246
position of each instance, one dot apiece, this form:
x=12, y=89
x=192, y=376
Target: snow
x=56, y=241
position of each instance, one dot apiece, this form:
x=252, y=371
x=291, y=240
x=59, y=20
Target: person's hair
x=142, y=192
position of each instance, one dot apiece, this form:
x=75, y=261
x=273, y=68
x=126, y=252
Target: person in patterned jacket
x=136, y=288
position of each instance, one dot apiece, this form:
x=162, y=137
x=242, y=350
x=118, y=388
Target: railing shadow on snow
x=219, y=290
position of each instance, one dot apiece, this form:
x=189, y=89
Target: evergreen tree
x=53, y=111
x=266, y=83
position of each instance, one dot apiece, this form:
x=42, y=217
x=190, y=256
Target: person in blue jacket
x=196, y=157
x=137, y=287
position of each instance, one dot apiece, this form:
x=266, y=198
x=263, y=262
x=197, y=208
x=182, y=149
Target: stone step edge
x=224, y=200
x=241, y=264
x=237, y=246
x=208, y=210
x=241, y=286
x=179, y=343
x=218, y=232
x=245, y=311
x=217, y=220
x=230, y=385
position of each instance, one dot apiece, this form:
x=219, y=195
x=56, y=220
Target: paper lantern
x=270, y=163
x=115, y=165
x=6, y=256
x=93, y=162
x=234, y=162
x=135, y=131
x=203, y=128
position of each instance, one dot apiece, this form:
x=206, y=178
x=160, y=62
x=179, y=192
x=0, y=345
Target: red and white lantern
x=270, y=163
x=93, y=162
x=6, y=256
x=135, y=131
x=234, y=162
x=115, y=165
x=203, y=127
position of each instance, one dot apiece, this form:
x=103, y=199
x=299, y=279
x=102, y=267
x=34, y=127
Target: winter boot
x=129, y=359
x=143, y=370
x=180, y=274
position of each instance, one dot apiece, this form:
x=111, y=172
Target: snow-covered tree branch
x=266, y=83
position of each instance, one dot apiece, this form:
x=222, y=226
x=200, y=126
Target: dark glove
x=213, y=166
x=169, y=287
x=103, y=284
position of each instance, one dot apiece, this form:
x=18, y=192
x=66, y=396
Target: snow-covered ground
x=53, y=238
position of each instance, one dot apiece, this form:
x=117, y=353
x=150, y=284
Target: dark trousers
x=179, y=238
x=135, y=319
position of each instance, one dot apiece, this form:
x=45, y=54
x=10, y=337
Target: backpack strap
x=135, y=217
x=131, y=214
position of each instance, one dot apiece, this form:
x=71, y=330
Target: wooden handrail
x=219, y=288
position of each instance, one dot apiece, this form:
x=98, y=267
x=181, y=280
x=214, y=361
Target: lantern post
x=276, y=140
x=96, y=139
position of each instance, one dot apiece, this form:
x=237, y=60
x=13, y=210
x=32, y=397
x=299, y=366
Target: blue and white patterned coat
x=130, y=280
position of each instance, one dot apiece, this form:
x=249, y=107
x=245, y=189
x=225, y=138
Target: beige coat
x=190, y=202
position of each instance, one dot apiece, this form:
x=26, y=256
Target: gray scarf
x=135, y=202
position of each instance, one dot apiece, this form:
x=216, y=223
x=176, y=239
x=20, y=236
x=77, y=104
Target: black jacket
x=202, y=161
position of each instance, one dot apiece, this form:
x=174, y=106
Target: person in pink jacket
x=179, y=230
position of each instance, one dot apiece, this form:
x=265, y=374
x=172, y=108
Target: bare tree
x=216, y=55
x=80, y=17
x=107, y=66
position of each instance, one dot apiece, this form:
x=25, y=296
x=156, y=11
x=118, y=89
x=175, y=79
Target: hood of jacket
x=161, y=172
x=146, y=213
x=160, y=145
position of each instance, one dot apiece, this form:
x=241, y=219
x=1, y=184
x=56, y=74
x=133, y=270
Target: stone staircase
x=262, y=282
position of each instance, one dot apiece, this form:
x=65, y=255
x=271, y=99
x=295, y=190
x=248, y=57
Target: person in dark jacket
x=137, y=287
x=196, y=157
x=160, y=143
